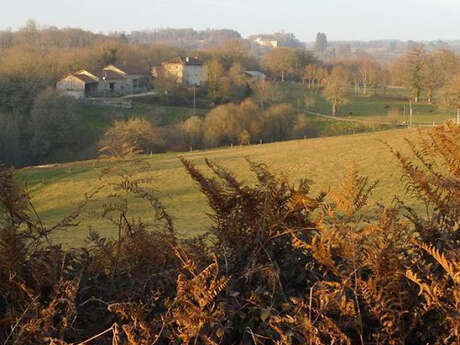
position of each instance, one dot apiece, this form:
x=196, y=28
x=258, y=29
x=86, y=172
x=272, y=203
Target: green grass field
x=57, y=189
x=99, y=117
x=385, y=106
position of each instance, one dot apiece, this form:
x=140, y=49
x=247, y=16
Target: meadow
x=390, y=105
x=98, y=117
x=56, y=190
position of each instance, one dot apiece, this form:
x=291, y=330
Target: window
x=112, y=86
x=135, y=83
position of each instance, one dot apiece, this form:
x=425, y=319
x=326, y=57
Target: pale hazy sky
x=340, y=19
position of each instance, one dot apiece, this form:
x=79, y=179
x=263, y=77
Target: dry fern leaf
x=452, y=268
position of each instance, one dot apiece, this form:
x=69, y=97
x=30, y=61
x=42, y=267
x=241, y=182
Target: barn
x=112, y=81
x=80, y=84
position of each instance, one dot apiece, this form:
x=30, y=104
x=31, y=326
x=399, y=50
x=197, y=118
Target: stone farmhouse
x=188, y=71
x=112, y=81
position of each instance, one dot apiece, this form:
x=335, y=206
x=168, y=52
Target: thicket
x=228, y=124
x=51, y=130
x=127, y=138
x=280, y=265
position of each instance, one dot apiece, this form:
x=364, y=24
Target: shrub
x=125, y=138
x=193, y=131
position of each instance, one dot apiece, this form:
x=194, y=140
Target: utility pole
x=194, y=100
x=404, y=114
x=410, y=113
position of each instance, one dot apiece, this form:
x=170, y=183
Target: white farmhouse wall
x=193, y=75
x=75, y=94
x=71, y=86
x=70, y=83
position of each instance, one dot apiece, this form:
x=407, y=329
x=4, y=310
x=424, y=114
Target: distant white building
x=266, y=42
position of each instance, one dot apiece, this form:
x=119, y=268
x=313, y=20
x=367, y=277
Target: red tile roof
x=191, y=61
x=85, y=78
x=110, y=75
x=131, y=70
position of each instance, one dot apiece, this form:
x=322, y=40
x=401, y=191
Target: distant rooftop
x=84, y=78
x=186, y=60
x=256, y=74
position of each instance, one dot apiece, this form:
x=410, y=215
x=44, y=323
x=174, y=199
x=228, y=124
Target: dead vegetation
x=278, y=266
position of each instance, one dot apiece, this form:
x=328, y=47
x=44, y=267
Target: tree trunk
x=334, y=108
x=417, y=95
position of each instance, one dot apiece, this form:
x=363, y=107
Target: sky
x=340, y=19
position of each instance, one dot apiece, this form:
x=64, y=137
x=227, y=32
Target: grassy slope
x=56, y=190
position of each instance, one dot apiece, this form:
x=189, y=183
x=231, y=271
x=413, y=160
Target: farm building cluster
x=117, y=81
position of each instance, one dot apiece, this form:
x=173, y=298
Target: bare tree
x=451, y=92
x=409, y=70
x=310, y=74
x=336, y=88
x=369, y=73
x=321, y=43
x=214, y=71
x=281, y=62
x=432, y=76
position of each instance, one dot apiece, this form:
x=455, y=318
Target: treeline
x=432, y=75
x=228, y=124
x=49, y=37
x=424, y=72
x=189, y=38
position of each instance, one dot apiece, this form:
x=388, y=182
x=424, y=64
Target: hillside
x=56, y=190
